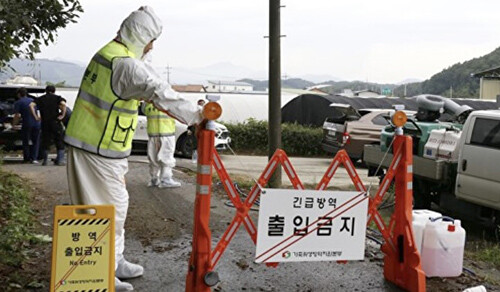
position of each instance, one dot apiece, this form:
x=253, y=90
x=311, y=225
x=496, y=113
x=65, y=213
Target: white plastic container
x=419, y=220
x=443, y=248
x=480, y=288
x=432, y=146
x=448, y=149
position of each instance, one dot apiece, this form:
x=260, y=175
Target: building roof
x=490, y=73
x=189, y=88
x=301, y=91
x=318, y=86
x=229, y=83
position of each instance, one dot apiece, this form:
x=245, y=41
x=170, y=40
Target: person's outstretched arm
x=134, y=79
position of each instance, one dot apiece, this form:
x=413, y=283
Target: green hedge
x=297, y=140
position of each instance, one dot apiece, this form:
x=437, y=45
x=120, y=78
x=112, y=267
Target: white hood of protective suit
x=139, y=28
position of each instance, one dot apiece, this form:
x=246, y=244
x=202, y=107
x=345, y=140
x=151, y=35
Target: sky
x=384, y=41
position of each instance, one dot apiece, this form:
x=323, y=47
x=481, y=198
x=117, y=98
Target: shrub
x=251, y=136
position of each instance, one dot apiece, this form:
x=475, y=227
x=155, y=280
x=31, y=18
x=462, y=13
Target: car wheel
x=186, y=144
x=496, y=226
x=354, y=159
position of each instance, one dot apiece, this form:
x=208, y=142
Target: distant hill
x=261, y=85
x=49, y=70
x=318, y=78
x=340, y=86
x=335, y=86
x=457, y=77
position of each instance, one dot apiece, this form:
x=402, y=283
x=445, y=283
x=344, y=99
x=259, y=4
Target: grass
x=485, y=251
x=19, y=243
x=16, y=219
x=491, y=255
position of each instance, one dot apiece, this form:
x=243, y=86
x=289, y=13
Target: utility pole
x=274, y=134
x=168, y=73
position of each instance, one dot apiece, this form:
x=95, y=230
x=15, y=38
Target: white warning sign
x=309, y=225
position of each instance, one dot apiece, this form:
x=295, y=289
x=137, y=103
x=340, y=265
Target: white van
x=478, y=179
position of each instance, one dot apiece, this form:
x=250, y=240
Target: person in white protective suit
x=104, y=118
x=161, y=147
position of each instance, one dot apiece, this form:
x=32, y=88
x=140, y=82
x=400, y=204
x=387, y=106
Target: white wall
x=490, y=88
x=236, y=107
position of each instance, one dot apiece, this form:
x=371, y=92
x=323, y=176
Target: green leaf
x=25, y=23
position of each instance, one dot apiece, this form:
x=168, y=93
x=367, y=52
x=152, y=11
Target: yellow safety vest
x=102, y=122
x=159, y=123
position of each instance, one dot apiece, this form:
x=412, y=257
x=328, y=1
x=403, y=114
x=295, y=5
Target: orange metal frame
x=401, y=262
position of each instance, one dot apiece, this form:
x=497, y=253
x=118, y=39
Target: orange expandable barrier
x=401, y=261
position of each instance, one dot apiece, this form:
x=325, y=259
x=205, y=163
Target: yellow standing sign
x=83, y=256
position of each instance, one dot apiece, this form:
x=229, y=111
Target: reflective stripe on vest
x=159, y=123
x=102, y=122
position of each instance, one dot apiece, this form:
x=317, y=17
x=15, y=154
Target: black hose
x=230, y=204
x=373, y=238
x=469, y=271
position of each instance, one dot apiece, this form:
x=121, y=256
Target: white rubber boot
x=127, y=270
x=169, y=183
x=122, y=286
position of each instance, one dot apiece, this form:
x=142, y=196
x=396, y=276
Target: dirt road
x=158, y=236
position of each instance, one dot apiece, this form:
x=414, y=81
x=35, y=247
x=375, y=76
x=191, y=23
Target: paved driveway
x=309, y=170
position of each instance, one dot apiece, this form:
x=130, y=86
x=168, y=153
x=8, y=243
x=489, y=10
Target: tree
x=26, y=24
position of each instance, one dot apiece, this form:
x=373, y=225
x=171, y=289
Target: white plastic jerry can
x=443, y=248
x=419, y=220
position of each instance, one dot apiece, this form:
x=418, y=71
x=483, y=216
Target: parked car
x=184, y=137
x=10, y=136
x=352, y=129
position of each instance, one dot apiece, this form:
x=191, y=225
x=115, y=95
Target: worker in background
x=30, y=129
x=104, y=119
x=161, y=147
x=201, y=102
x=52, y=109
